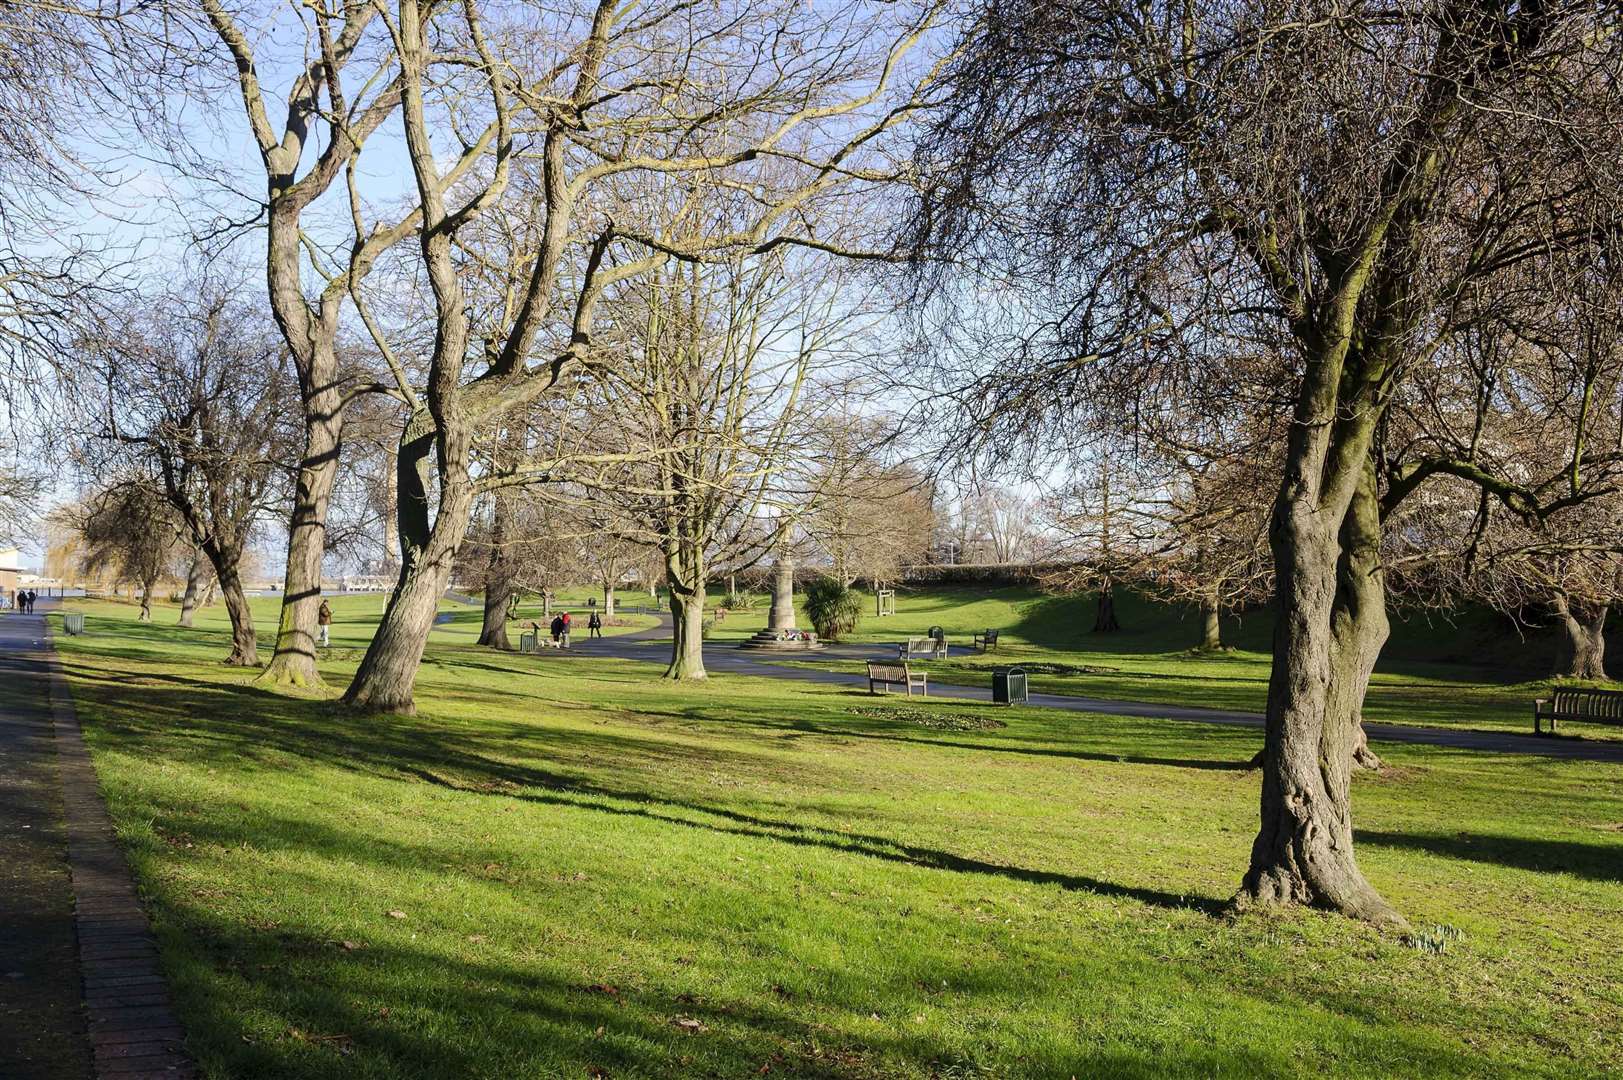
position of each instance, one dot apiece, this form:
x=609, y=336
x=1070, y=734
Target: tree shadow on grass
x=291, y=1004
x=1597, y=862
x=282, y=728
x=874, y=847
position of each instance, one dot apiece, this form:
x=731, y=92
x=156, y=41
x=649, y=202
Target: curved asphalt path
x=646, y=645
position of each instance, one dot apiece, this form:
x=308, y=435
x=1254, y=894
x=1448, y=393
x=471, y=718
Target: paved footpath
x=642, y=645
x=81, y=993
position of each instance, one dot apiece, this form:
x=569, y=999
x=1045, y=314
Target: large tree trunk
x=687, y=639
x=1332, y=623
x=1211, y=625
x=1104, y=620
x=294, y=661
x=493, y=627
x=387, y=674
x=384, y=681
x=498, y=582
x=1583, y=640
x=685, y=574
x=194, y=581
x=244, y=643
x=608, y=600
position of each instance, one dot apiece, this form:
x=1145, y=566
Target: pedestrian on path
x=324, y=621
x=566, y=629
x=594, y=625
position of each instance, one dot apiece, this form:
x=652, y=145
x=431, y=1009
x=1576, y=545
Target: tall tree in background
x=868, y=517
x=1352, y=187
x=707, y=399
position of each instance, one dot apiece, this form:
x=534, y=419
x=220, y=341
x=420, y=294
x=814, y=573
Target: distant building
x=10, y=569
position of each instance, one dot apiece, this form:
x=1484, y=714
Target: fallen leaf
x=603, y=988
x=396, y=914
x=349, y=946
x=687, y=1023
x=476, y=938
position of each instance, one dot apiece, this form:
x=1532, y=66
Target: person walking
x=28, y=601
x=324, y=622
x=557, y=628
x=594, y=625
x=566, y=629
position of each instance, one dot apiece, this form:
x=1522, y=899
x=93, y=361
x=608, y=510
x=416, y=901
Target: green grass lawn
x=563, y=867
x=1420, y=679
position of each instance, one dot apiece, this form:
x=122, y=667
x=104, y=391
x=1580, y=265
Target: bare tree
x=706, y=400
x=194, y=395
x=867, y=516
x=342, y=84
x=1353, y=189
x=593, y=126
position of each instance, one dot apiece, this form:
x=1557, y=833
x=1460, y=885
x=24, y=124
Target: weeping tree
x=1188, y=502
x=1562, y=574
x=128, y=530
x=1353, y=189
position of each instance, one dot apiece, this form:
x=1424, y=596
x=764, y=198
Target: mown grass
x=596, y=873
x=1422, y=679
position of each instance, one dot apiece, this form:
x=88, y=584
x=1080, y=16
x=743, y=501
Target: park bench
x=985, y=641
x=927, y=648
x=882, y=676
x=1593, y=706
x=933, y=646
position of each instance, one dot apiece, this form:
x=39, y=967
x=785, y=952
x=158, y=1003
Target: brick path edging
x=133, y=1032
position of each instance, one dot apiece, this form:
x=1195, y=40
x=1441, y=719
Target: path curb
x=134, y=1034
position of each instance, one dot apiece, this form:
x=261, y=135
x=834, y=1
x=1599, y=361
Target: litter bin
x=526, y=641
x=73, y=622
x=1009, y=686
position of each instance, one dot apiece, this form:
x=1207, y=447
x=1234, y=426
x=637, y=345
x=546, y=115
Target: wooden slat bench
x=882, y=676
x=985, y=641
x=929, y=648
x=1591, y=706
